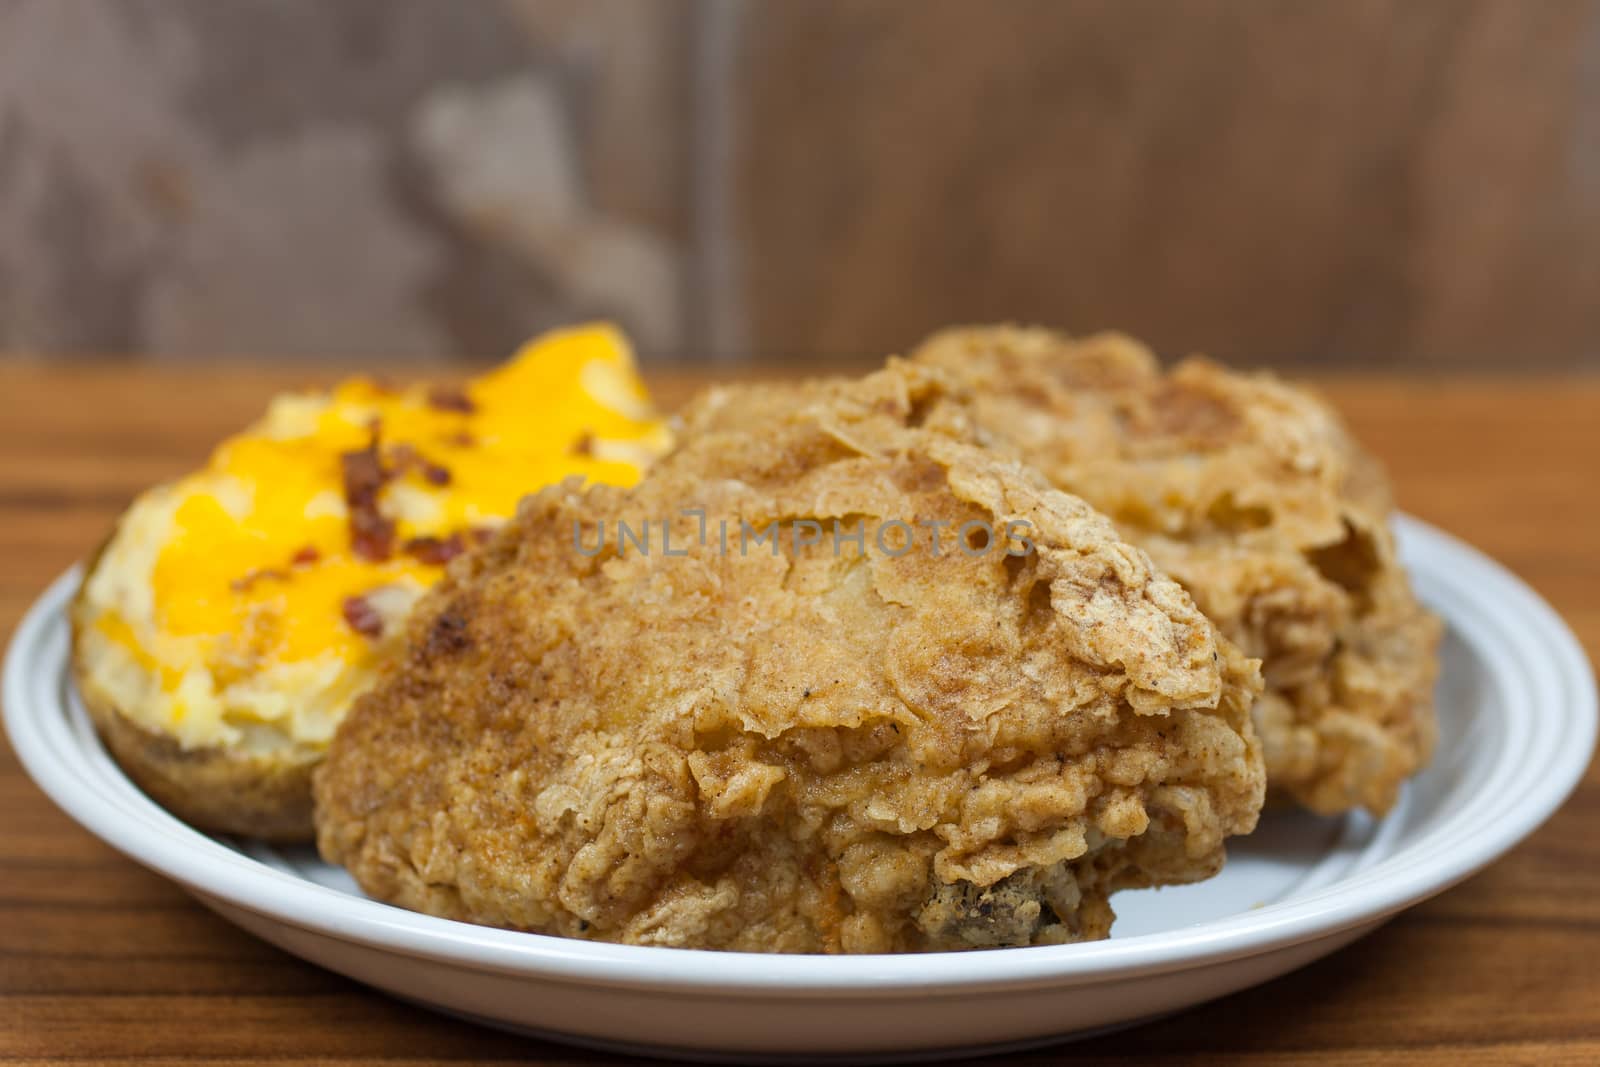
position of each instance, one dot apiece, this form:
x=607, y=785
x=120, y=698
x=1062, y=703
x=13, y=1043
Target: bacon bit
x=363, y=617
x=481, y=535
x=404, y=457
x=584, y=445
x=462, y=440
x=444, y=398
x=305, y=556
x=371, y=535
x=436, y=550
x=243, y=585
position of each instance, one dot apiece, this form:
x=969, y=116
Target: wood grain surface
x=101, y=961
x=1391, y=183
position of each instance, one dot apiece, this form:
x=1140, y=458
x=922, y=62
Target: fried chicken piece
x=807, y=742
x=1250, y=492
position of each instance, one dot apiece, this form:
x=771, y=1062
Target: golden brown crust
x=802, y=750
x=223, y=790
x=1250, y=492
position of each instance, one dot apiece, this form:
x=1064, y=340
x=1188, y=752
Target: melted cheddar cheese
x=250, y=602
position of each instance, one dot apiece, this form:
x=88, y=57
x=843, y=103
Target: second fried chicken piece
x=1249, y=492
x=809, y=743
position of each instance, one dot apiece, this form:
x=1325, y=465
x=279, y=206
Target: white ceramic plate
x=1517, y=709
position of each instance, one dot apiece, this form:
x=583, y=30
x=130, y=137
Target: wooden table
x=101, y=960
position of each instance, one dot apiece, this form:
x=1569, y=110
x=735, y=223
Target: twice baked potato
x=233, y=615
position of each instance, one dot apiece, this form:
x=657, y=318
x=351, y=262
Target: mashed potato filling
x=249, y=602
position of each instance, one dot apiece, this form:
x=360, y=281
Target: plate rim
x=38, y=724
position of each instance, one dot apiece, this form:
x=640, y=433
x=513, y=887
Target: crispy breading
x=809, y=745
x=1251, y=493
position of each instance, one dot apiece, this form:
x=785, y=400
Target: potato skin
x=216, y=788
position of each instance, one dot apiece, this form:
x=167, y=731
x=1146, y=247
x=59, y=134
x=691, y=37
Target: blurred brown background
x=1312, y=184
